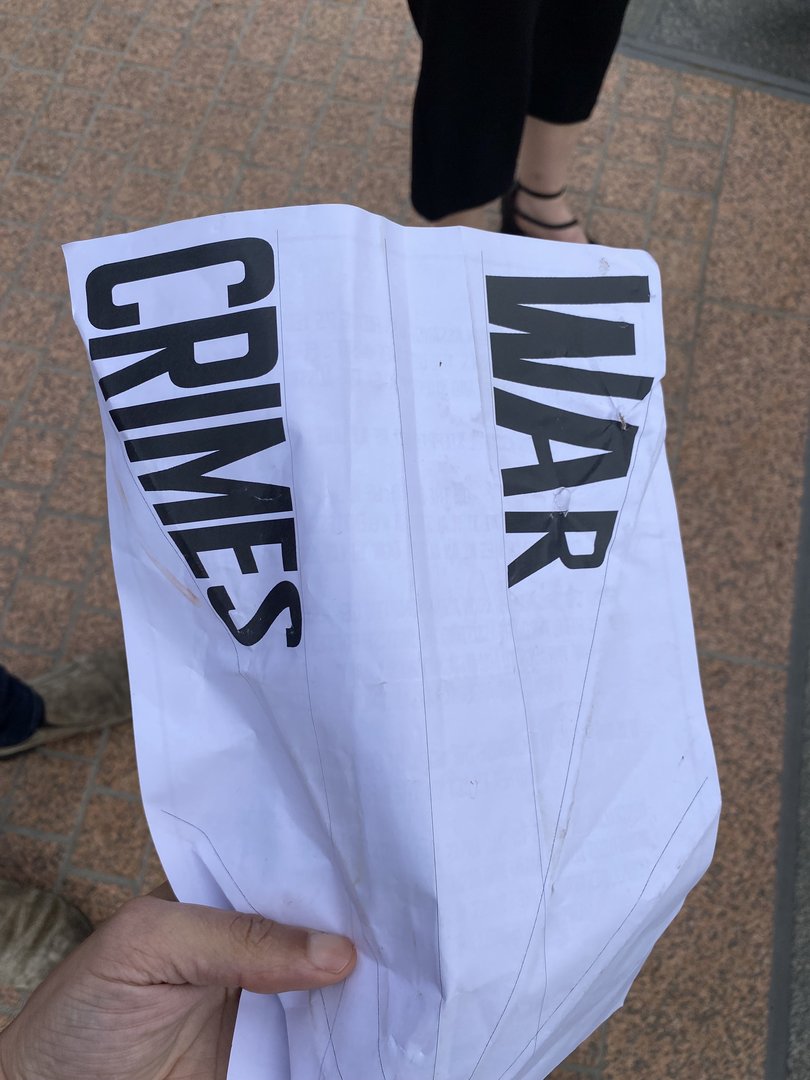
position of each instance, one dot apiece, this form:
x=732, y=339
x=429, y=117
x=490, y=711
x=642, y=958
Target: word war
x=544, y=335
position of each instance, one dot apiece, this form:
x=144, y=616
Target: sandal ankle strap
x=511, y=202
x=540, y=194
x=545, y=224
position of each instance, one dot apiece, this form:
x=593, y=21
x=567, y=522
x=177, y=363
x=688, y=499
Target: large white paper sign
x=406, y=617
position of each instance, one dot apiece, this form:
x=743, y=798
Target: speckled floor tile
x=698, y=1008
x=740, y=475
x=98, y=900
x=48, y=793
x=112, y=838
x=757, y=255
x=29, y=860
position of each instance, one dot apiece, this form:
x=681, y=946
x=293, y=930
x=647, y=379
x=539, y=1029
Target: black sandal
x=510, y=212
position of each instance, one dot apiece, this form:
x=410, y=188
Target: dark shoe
x=510, y=212
x=89, y=694
x=37, y=930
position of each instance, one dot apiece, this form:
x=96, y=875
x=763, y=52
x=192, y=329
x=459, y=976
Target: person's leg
x=573, y=45
x=21, y=710
x=470, y=103
x=546, y=152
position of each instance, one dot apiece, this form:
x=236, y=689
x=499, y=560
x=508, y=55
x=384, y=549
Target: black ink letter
x=550, y=334
x=282, y=597
x=544, y=423
x=255, y=255
x=215, y=448
x=554, y=544
x=240, y=537
x=172, y=351
x=196, y=406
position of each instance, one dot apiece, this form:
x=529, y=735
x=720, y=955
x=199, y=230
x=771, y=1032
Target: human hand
x=152, y=994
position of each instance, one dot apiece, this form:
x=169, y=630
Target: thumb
x=163, y=942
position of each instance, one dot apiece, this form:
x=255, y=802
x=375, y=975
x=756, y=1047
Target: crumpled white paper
x=406, y=619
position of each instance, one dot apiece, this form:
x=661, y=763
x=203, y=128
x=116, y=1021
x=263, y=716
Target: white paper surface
x=411, y=654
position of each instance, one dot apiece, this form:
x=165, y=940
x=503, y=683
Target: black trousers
x=21, y=709
x=486, y=65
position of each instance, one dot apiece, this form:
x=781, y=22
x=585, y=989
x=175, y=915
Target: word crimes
x=203, y=523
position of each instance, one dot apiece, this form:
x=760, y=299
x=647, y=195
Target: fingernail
x=329, y=952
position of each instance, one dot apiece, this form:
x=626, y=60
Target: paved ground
x=117, y=116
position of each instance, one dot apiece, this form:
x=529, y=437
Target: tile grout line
x=82, y=139
x=379, y=119
x=593, y=202
x=406, y=207
x=78, y=588
x=296, y=36
x=116, y=793
x=32, y=833
x=659, y=168
x=46, y=491
x=7, y=803
x=100, y=878
x=12, y=424
x=78, y=606
x=675, y=456
x=757, y=309
x=299, y=35
x=667, y=141
x=57, y=81
x=741, y=661
x=148, y=848
x=87, y=794
x=182, y=169
x=130, y=157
